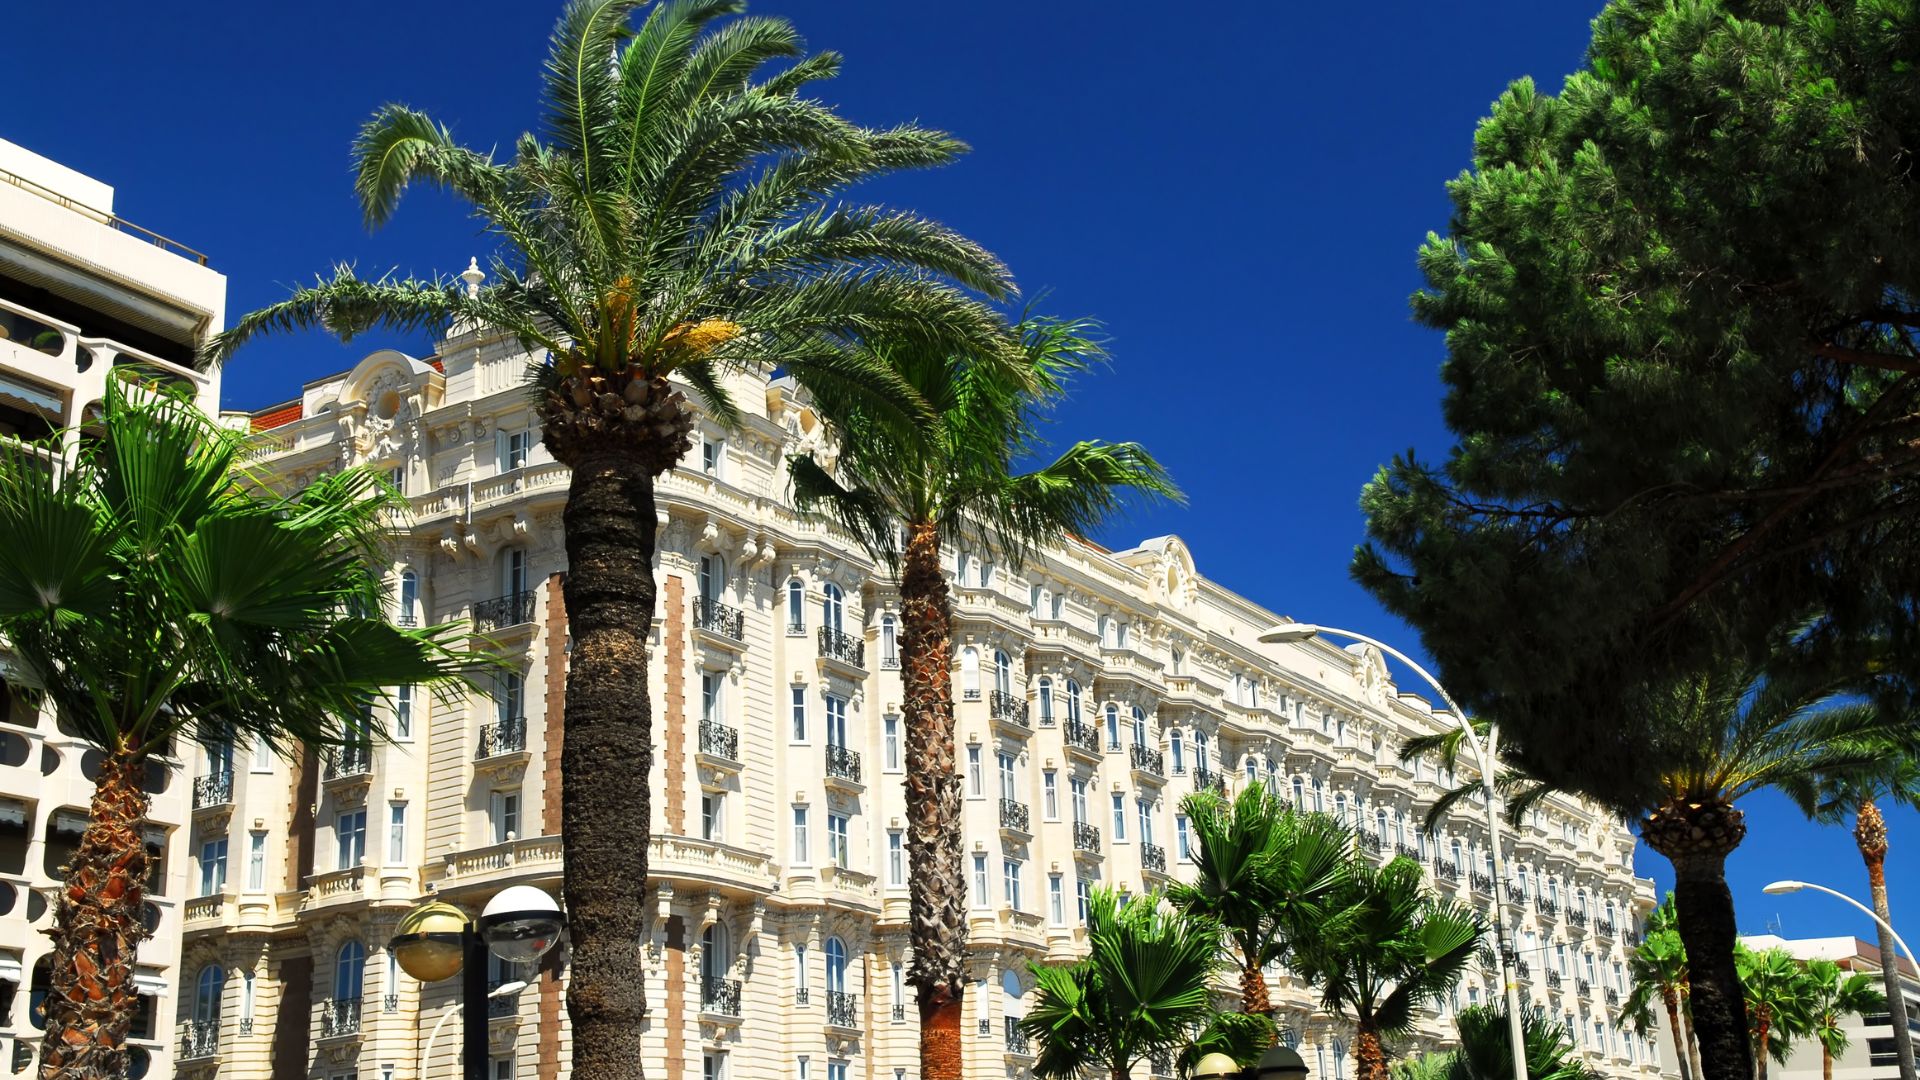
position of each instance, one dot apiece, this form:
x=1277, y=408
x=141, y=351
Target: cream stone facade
x=1871, y=1053
x=1096, y=689
x=84, y=296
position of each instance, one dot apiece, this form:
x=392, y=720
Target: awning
x=149, y=982
x=32, y=397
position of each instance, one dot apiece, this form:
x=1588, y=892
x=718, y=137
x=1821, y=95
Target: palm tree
x=1779, y=1003
x=151, y=593
x=1144, y=989
x=1833, y=995
x=1831, y=800
x=1262, y=872
x=674, y=220
x=1485, y=1050
x=1658, y=969
x=1399, y=946
x=903, y=490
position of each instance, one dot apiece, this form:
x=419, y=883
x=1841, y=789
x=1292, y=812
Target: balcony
x=719, y=740
x=713, y=618
x=1015, y=817
x=348, y=761
x=1007, y=709
x=1086, y=838
x=802, y=996
x=843, y=764
x=843, y=1010
x=1516, y=892
x=199, y=1039
x=1147, y=761
x=1583, y=988
x=513, y=609
x=1153, y=858
x=1369, y=843
x=1407, y=851
x=339, y=1017
x=1547, y=907
x=1577, y=919
x=1205, y=779
x=509, y=736
x=840, y=647
x=214, y=790
x=720, y=997
x=1081, y=737
x=1016, y=1039
x=1613, y=998
x=1480, y=882
x=899, y=1011
x=1445, y=870
x=1553, y=979
x=1603, y=928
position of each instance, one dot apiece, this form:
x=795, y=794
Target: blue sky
x=1238, y=198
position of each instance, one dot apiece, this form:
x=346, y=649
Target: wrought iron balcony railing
x=1204, y=778
x=512, y=609
x=392, y=1003
x=353, y=759
x=1369, y=843
x=1516, y=892
x=1007, y=708
x=899, y=1010
x=1016, y=816
x=800, y=996
x=1148, y=760
x=1480, y=882
x=1604, y=927
x=843, y=1009
x=1408, y=851
x=719, y=740
x=1577, y=918
x=843, y=763
x=246, y=1026
x=1553, y=979
x=717, y=618
x=796, y=629
x=986, y=1027
x=1080, y=736
x=1583, y=987
x=506, y=737
x=1086, y=837
x=213, y=790
x=199, y=1039
x=1153, y=857
x=339, y=1016
x=1016, y=1039
x=842, y=646
x=721, y=996
x=1613, y=998
x=406, y=619
x=1488, y=959
x=1445, y=870
x=1547, y=907
x=1520, y=966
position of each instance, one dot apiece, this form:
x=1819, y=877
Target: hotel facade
x=1096, y=689
x=85, y=296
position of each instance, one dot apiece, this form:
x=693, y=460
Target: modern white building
x=1096, y=689
x=1871, y=1054
x=84, y=295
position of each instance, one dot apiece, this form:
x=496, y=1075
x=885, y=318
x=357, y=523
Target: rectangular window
x=1006, y=776
x=1079, y=789
x=837, y=840
x=801, y=848
x=213, y=867
x=800, y=1072
x=1119, y=816
x=976, y=787
x=710, y=708
x=800, y=714
x=1181, y=839
x=403, y=713
x=899, y=990
x=896, y=859
x=1056, y=900
x=713, y=1067
x=513, y=446
x=980, y=881
x=890, y=742
x=1050, y=795
x=502, y=1068
x=1010, y=882
x=713, y=816
x=712, y=455
x=256, y=861
x=800, y=978
x=397, y=834
x=1145, y=809
x=836, y=720
x=506, y=816
x=1082, y=897
x=262, y=755
x=350, y=834
x=836, y=1070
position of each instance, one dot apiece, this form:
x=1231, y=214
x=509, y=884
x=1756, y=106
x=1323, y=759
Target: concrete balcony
x=1058, y=638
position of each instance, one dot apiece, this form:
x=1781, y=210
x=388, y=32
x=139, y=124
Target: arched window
x=1178, y=748
x=1380, y=824
x=796, y=605
x=1179, y=662
x=836, y=966
x=1459, y=856
x=247, y=998
x=1580, y=901
x=1073, y=702
x=349, y=968
x=1139, y=726
x=1340, y=806
x=1253, y=769
x=1200, y=750
x=1046, y=701
x=1319, y=796
x=206, y=994
x=714, y=959
x=1113, y=726
x=889, y=642
x=970, y=673
x=1610, y=911
x=409, y=598
x=1002, y=673
x=1299, y=793
x=833, y=607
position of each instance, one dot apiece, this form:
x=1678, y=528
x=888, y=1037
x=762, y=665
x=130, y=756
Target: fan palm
x=1779, y=1001
x=1485, y=1050
x=1894, y=777
x=674, y=220
x=1658, y=969
x=1398, y=946
x=1142, y=990
x=956, y=480
x=1262, y=872
x=150, y=593
x=1833, y=995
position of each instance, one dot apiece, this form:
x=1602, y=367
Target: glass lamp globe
x=1215, y=1067
x=427, y=942
x=521, y=924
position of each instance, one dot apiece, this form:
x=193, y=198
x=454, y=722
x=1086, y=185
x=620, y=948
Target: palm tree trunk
x=1870, y=833
x=605, y=755
x=97, y=929
x=1253, y=991
x=1692, y=1049
x=1369, y=1057
x=937, y=879
x=1696, y=838
x=1761, y=1033
x=1826, y=1062
x=1681, y=1037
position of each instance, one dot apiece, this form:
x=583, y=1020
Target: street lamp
x=1216, y=1066
x=1280, y=1063
x=436, y=941
x=1781, y=888
x=1483, y=755
x=505, y=989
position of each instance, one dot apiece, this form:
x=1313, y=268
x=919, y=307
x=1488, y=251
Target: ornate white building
x=84, y=296
x=1096, y=690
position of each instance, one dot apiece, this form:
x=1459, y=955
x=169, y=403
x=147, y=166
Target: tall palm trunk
x=1253, y=991
x=1692, y=1049
x=1369, y=1056
x=97, y=928
x=1870, y=833
x=939, y=926
x=1696, y=838
x=1826, y=1063
x=607, y=750
x=1762, y=1031
x=1681, y=1037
